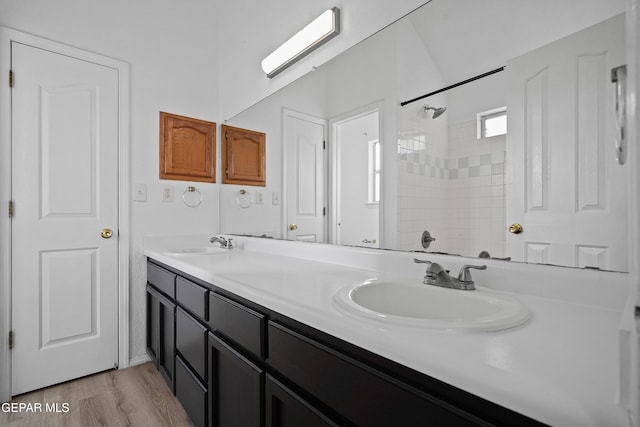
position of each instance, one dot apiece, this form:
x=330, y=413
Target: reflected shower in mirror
x=530, y=145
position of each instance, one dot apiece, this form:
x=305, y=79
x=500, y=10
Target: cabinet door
x=187, y=148
x=166, y=340
x=152, y=324
x=191, y=393
x=161, y=325
x=243, y=156
x=235, y=387
x=284, y=408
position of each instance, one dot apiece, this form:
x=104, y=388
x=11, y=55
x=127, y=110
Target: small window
x=492, y=123
x=374, y=171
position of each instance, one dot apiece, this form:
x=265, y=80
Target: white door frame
x=7, y=36
x=334, y=188
x=286, y=113
x=631, y=324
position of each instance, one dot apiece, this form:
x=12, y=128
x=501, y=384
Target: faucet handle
x=465, y=274
x=422, y=261
x=229, y=243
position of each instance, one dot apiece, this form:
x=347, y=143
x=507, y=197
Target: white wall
x=174, y=71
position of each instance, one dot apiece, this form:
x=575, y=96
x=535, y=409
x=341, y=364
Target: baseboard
x=139, y=360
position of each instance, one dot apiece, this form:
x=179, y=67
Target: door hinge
x=11, y=77
x=11, y=209
x=324, y=145
x=226, y=171
x=10, y=340
x=324, y=211
x=226, y=134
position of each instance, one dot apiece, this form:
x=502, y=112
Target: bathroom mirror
x=348, y=164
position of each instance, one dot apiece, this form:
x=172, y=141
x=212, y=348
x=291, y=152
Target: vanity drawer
x=361, y=394
x=237, y=323
x=191, y=393
x=191, y=342
x=162, y=279
x=193, y=297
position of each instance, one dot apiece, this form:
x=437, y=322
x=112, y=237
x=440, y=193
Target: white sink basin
x=204, y=250
x=427, y=306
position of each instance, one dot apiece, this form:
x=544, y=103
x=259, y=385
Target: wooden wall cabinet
x=243, y=156
x=187, y=148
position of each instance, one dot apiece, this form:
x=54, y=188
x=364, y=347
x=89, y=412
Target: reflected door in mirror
x=304, y=158
x=560, y=111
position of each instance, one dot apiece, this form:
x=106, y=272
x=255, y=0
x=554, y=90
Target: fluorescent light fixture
x=319, y=31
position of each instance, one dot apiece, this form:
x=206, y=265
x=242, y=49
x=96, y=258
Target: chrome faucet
x=436, y=275
x=224, y=243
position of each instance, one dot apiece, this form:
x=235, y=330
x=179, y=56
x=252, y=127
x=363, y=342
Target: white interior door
x=65, y=189
x=304, y=148
x=560, y=119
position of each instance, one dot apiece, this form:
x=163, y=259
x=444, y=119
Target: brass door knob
x=106, y=233
x=515, y=228
x=293, y=227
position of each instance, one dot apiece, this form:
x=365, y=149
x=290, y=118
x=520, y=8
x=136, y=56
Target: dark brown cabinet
x=233, y=363
x=235, y=386
x=191, y=342
x=191, y=393
x=285, y=408
x=161, y=334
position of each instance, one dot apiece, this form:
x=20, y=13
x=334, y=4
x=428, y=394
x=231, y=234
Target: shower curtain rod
x=488, y=73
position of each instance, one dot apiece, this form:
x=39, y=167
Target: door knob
x=106, y=233
x=293, y=227
x=515, y=228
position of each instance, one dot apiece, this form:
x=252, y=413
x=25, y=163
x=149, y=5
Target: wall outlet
x=167, y=193
x=259, y=197
x=276, y=198
x=140, y=192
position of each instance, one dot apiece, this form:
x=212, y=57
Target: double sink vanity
x=278, y=333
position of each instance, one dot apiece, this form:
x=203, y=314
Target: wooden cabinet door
x=284, y=408
x=243, y=156
x=235, y=387
x=165, y=357
x=152, y=324
x=187, y=148
x=191, y=393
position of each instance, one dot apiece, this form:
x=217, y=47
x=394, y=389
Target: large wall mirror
x=517, y=165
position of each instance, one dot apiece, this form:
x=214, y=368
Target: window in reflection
x=492, y=123
x=374, y=171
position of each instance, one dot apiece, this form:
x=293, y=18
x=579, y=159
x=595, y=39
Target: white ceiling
x=470, y=37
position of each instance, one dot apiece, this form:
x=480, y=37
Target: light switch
x=259, y=197
x=140, y=192
x=276, y=198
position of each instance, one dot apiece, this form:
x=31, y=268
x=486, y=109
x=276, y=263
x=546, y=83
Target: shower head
x=437, y=112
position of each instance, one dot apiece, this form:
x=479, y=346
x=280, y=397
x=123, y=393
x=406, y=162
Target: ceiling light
x=319, y=31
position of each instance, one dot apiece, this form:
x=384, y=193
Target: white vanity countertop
x=561, y=367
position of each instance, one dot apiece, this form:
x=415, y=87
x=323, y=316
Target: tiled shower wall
x=422, y=179
x=453, y=190
x=476, y=192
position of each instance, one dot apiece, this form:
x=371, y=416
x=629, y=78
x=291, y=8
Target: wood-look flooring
x=136, y=396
